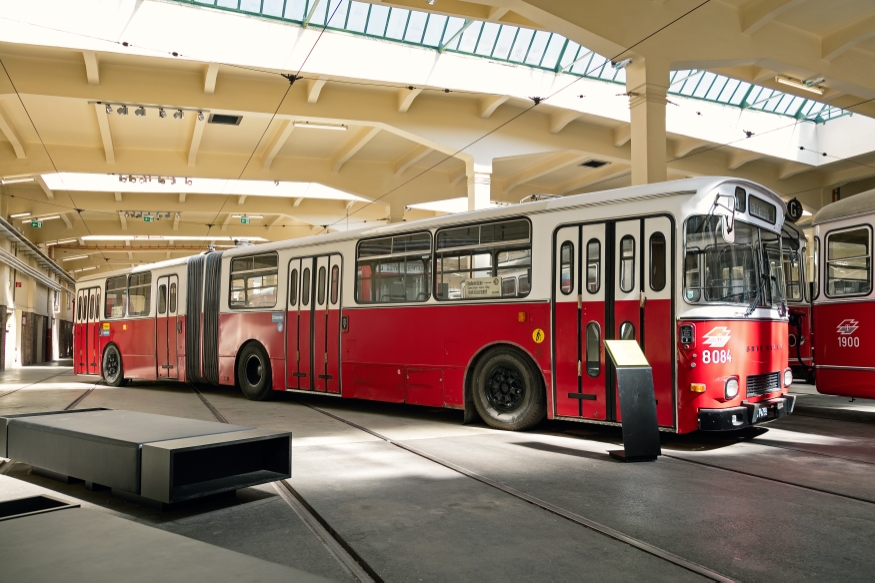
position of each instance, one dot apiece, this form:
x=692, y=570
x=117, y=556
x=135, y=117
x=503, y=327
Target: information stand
x=637, y=402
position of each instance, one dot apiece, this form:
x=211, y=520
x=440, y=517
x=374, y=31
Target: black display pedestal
x=638, y=406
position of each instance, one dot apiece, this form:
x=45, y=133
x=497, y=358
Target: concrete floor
x=796, y=502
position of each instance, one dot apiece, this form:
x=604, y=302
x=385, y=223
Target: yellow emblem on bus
x=538, y=336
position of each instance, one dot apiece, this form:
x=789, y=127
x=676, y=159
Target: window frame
x=231, y=273
x=148, y=312
x=598, y=264
x=124, y=296
x=482, y=248
x=665, y=256
x=172, y=292
x=620, y=271
x=815, y=258
x=826, y=237
x=399, y=257
x=571, y=263
x=586, y=359
x=334, y=285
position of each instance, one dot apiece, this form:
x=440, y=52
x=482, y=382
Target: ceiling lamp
x=16, y=180
x=803, y=85
x=123, y=110
x=320, y=126
x=161, y=113
x=140, y=112
x=622, y=64
x=108, y=108
x=75, y=257
x=19, y=215
x=179, y=114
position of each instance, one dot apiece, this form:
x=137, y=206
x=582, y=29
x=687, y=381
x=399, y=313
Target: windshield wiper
x=756, y=299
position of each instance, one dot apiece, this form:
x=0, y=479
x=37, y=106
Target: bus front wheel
x=507, y=391
x=113, y=373
x=253, y=373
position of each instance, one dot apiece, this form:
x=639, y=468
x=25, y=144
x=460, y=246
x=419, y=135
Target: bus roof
x=853, y=206
x=697, y=187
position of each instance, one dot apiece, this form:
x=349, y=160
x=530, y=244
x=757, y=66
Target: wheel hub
x=111, y=364
x=505, y=388
x=254, y=370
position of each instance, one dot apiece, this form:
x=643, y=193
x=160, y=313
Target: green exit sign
x=244, y=220
x=148, y=219
x=36, y=224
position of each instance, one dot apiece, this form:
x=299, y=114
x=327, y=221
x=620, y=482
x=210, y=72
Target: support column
x=647, y=85
x=479, y=187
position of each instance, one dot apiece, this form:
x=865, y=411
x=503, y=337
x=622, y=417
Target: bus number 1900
x=849, y=341
x=716, y=356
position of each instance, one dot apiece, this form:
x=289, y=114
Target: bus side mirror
x=728, y=229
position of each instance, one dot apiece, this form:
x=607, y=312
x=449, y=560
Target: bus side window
x=593, y=345
x=566, y=264
x=293, y=288
x=335, y=283
x=627, y=263
x=657, y=262
x=320, y=289
x=848, y=262
x=162, y=299
x=627, y=331
x=593, y=266
x=305, y=288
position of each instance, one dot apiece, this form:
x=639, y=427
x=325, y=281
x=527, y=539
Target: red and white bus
x=844, y=303
x=798, y=294
x=501, y=312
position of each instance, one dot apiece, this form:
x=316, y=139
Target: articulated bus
x=844, y=303
x=502, y=313
x=798, y=294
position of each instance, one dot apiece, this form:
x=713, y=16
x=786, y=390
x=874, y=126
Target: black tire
x=507, y=390
x=113, y=371
x=253, y=373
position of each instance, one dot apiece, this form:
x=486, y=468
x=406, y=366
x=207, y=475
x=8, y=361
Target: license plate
x=762, y=413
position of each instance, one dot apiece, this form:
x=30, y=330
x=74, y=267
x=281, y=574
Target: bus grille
x=760, y=384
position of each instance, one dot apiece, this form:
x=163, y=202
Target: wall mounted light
x=200, y=116
x=108, y=108
x=622, y=64
x=178, y=114
x=140, y=112
x=161, y=113
x=123, y=110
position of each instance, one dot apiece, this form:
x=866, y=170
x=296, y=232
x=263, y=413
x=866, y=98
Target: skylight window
x=523, y=46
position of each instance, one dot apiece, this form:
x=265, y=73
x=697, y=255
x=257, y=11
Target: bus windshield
x=748, y=271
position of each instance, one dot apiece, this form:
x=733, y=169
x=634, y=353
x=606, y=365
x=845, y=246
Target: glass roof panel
x=537, y=49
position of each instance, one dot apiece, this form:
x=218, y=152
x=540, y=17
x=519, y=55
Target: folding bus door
x=79, y=339
x=332, y=324
x=306, y=300
x=627, y=298
x=320, y=325
x=580, y=321
x=657, y=331
x=294, y=376
x=93, y=325
x=165, y=337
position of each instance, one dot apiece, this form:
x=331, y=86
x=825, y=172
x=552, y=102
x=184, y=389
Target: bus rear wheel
x=507, y=391
x=113, y=373
x=253, y=373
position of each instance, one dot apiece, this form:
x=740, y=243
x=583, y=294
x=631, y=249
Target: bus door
x=93, y=331
x=300, y=368
x=313, y=333
x=657, y=329
x=580, y=322
x=81, y=344
x=331, y=362
x=294, y=377
x=165, y=339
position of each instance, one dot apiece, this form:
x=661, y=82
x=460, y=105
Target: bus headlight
x=730, y=389
x=788, y=377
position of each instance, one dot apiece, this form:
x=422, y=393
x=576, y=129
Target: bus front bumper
x=747, y=415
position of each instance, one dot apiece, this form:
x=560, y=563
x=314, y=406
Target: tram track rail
x=541, y=504
x=32, y=384
x=333, y=542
